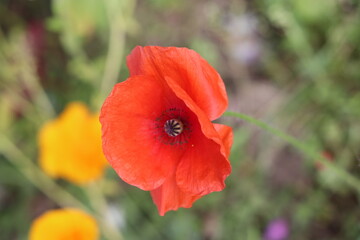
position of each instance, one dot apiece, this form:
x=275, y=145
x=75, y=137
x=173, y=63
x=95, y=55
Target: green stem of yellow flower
x=302, y=147
x=98, y=201
x=28, y=168
x=51, y=189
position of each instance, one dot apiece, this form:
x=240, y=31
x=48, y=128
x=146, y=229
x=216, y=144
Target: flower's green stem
x=302, y=147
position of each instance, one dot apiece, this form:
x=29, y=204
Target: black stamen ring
x=173, y=127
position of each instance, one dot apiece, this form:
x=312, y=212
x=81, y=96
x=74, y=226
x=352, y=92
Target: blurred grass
x=305, y=53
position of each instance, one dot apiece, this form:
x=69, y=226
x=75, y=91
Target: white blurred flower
x=244, y=45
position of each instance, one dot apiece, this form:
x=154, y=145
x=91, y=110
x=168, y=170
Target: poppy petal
x=129, y=133
x=226, y=135
x=202, y=169
x=207, y=128
x=169, y=197
x=191, y=72
x=204, y=166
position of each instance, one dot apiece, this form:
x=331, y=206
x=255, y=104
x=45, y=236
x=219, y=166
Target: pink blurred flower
x=277, y=229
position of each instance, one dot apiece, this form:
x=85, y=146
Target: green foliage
x=78, y=21
x=309, y=53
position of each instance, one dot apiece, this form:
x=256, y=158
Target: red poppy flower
x=157, y=131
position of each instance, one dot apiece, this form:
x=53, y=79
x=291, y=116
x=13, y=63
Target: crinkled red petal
x=204, y=166
x=129, y=132
x=191, y=72
x=226, y=135
x=169, y=197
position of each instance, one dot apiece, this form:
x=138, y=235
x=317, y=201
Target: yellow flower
x=61, y=224
x=70, y=146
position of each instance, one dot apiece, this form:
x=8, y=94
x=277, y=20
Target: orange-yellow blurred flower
x=70, y=146
x=61, y=224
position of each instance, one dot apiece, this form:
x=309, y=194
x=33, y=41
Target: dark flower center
x=173, y=127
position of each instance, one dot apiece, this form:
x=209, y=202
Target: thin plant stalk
x=51, y=189
x=99, y=203
x=115, y=50
x=302, y=147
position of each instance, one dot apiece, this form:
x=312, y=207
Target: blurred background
x=294, y=64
